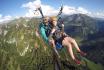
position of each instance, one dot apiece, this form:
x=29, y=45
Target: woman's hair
x=51, y=19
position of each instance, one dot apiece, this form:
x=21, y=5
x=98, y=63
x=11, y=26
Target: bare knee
x=69, y=39
x=65, y=43
x=72, y=40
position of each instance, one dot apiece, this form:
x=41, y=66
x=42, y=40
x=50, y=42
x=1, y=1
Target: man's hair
x=46, y=18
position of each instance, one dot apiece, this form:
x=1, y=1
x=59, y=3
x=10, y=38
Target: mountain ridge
x=18, y=49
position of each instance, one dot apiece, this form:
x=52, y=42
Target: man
x=44, y=30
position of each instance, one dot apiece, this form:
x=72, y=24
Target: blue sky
x=14, y=7
x=93, y=5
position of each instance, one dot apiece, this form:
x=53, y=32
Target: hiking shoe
x=77, y=61
x=82, y=53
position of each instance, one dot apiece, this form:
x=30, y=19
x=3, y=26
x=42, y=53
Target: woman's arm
x=51, y=33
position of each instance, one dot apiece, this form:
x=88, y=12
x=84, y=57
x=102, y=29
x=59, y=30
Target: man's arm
x=40, y=10
x=43, y=34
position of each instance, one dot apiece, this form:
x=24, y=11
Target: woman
x=62, y=38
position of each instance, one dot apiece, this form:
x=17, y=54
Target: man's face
x=46, y=20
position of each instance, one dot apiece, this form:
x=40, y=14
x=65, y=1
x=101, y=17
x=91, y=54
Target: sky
x=15, y=8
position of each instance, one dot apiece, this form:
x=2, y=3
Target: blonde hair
x=53, y=18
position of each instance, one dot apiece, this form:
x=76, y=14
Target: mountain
x=100, y=24
x=80, y=24
x=21, y=49
x=94, y=43
x=89, y=32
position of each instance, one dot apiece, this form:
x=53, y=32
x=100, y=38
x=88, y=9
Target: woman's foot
x=77, y=61
x=82, y=53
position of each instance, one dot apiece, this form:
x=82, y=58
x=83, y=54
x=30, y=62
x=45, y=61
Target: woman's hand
x=64, y=34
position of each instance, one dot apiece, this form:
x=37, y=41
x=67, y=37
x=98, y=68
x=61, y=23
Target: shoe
x=82, y=53
x=77, y=61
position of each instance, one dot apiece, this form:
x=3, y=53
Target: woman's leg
x=70, y=51
x=74, y=44
x=69, y=48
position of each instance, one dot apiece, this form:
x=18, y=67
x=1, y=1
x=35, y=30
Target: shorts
x=59, y=40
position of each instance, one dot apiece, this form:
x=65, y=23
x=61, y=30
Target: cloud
x=83, y=10
x=5, y=18
x=100, y=14
x=49, y=10
x=17, y=17
x=73, y=10
x=31, y=6
x=69, y=10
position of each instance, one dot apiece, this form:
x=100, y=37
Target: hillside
x=80, y=24
x=20, y=49
x=89, y=32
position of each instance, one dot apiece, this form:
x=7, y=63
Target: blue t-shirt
x=44, y=32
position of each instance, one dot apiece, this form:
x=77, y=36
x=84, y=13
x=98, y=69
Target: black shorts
x=59, y=40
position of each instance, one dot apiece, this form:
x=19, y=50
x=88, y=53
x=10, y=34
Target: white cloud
x=100, y=14
x=8, y=17
x=5, y=18
x=30, y=13
x=32, y=5
x=47, y=9
x=17, y=17
x=83, y=10
x=72, y=10
x=50, y=10
x=69, y=10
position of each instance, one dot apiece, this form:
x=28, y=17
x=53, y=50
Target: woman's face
x=54, y=22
